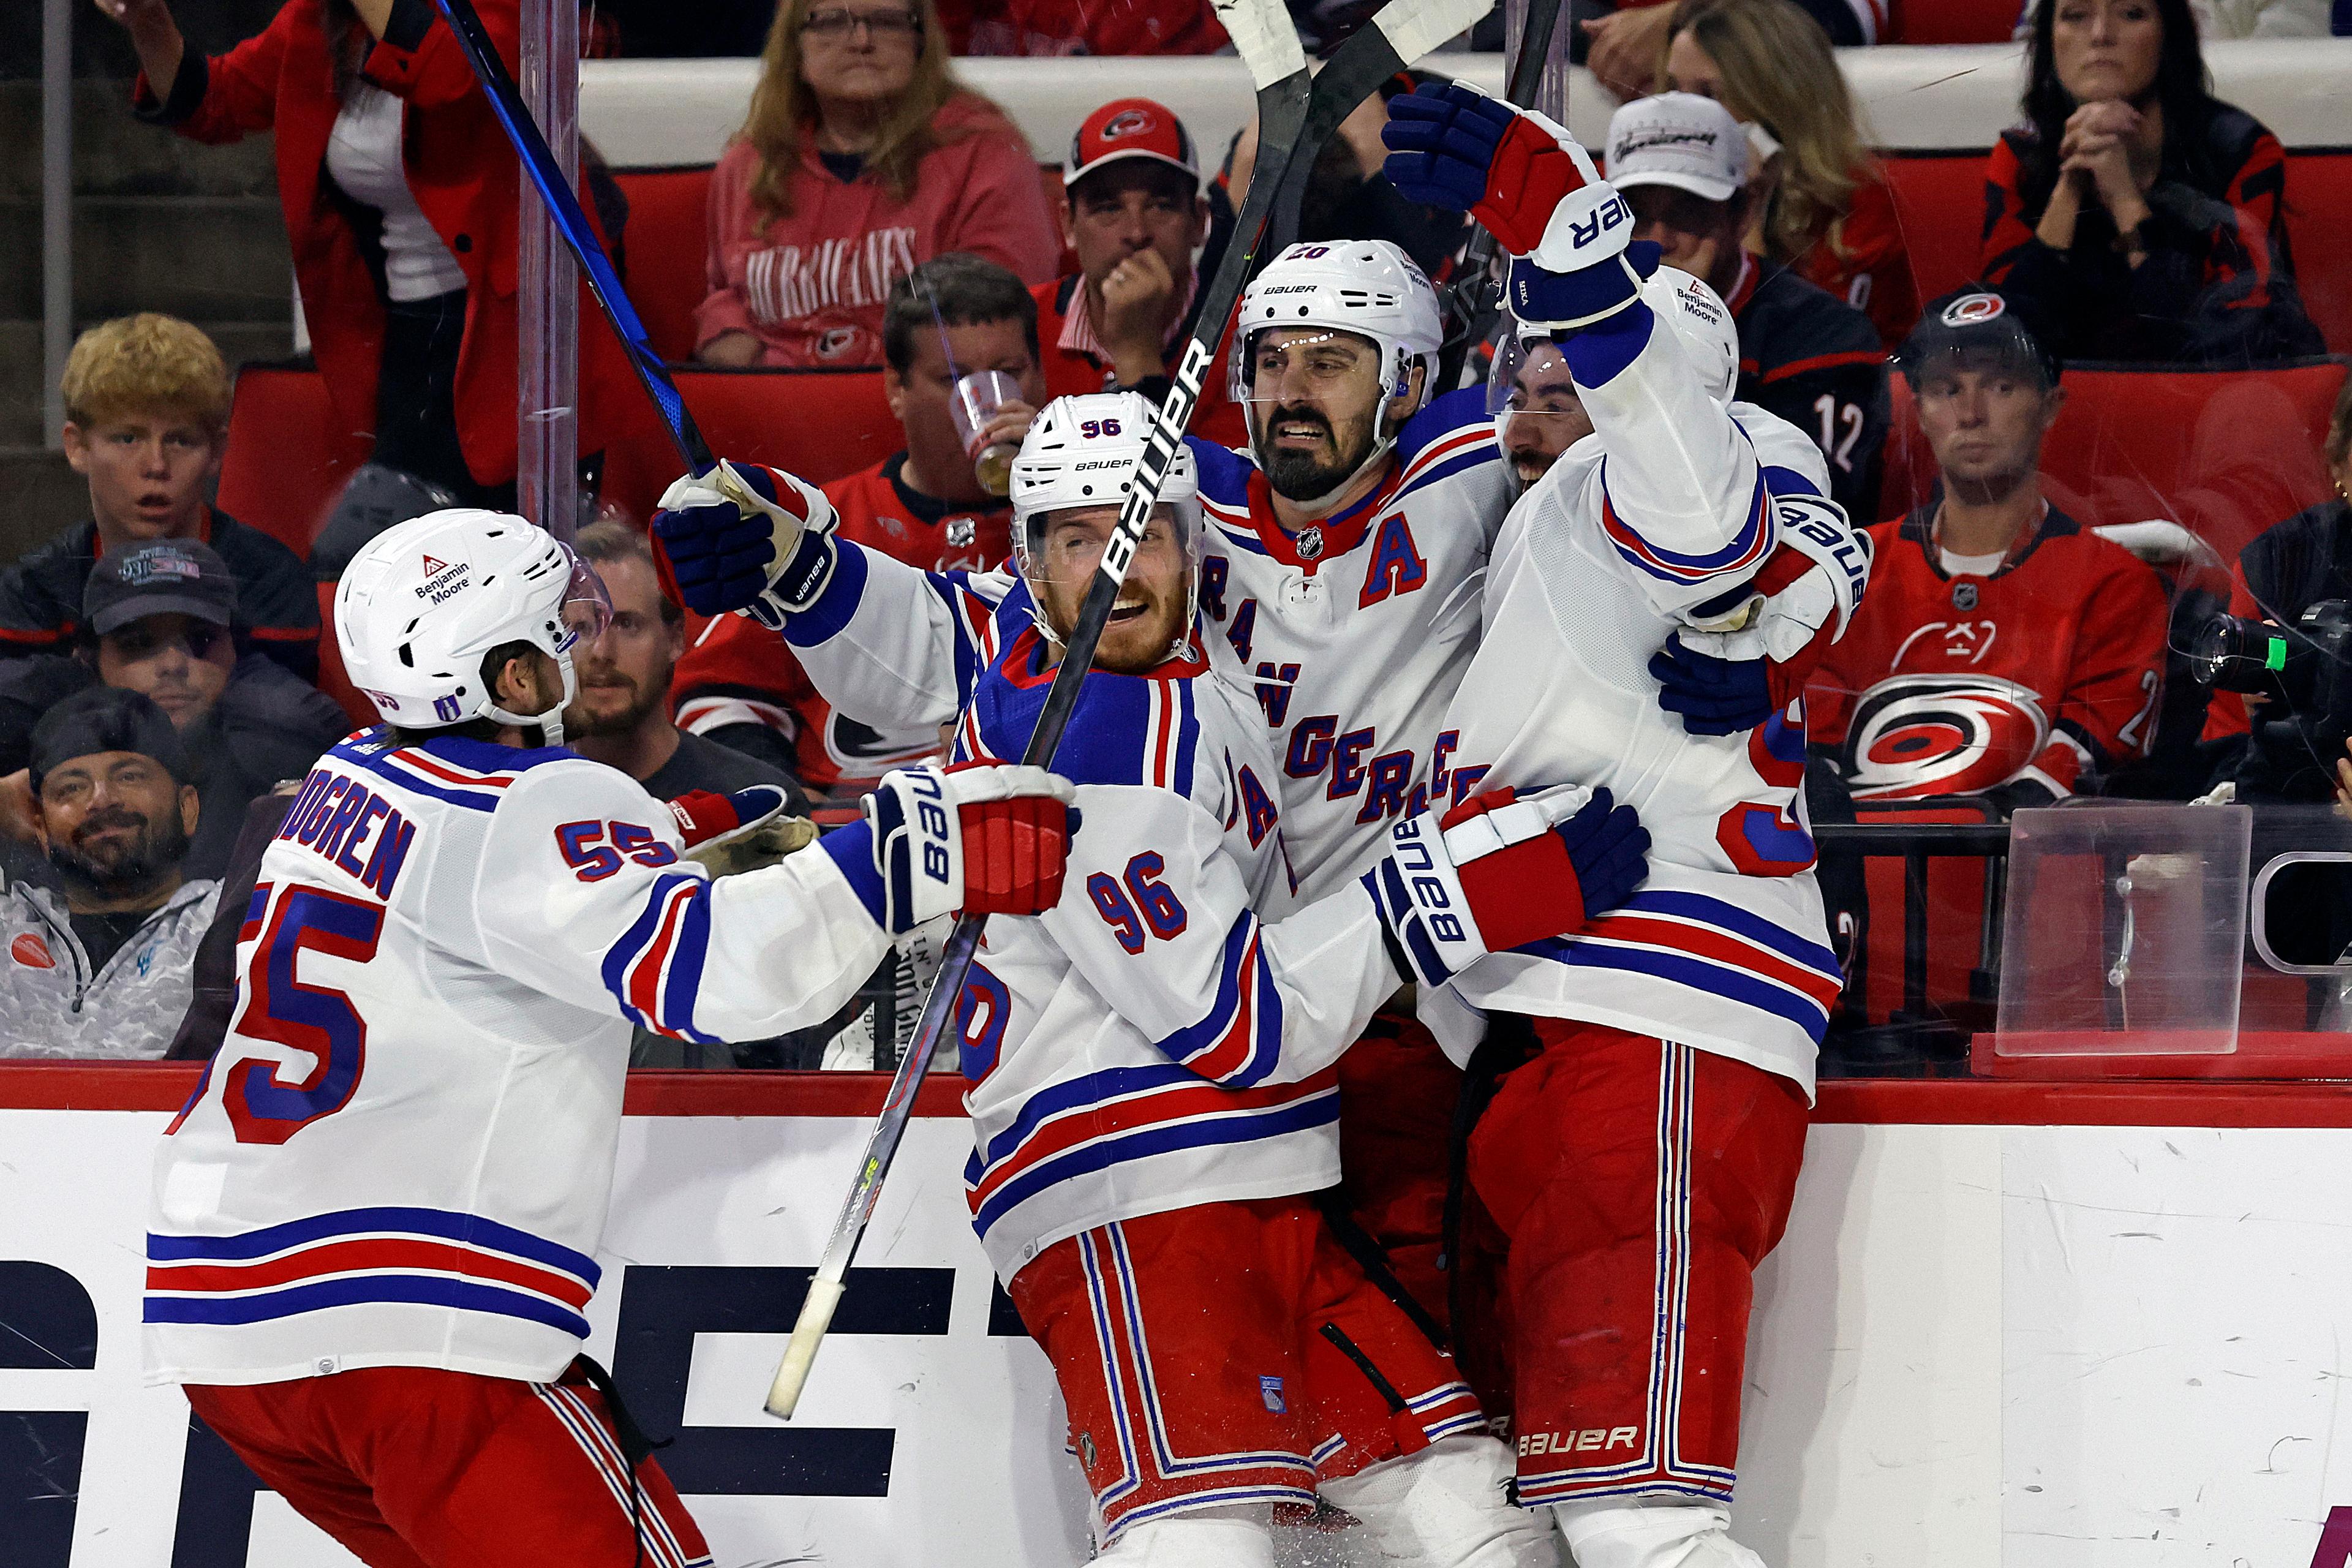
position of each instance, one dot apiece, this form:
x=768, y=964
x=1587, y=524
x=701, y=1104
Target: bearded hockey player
x=1643, y=1162
x=373, y=1226
x=1154, y=1067
x=1341, y=558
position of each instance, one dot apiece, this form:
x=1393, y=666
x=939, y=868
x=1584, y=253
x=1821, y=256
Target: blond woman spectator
x=860, y=160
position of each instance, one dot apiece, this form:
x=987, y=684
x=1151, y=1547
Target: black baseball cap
x=158, y=578
x=1976, y=326
x=106, y=718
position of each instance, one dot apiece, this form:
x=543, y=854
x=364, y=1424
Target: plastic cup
x=977, y=398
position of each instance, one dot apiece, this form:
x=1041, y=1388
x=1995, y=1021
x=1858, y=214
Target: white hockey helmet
x=1703, y=322
x=1368, y=287
x=423, y=602
x=1082, y=451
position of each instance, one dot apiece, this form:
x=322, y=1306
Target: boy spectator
x=103, y=970
x=1681, y=161
x=738, y=683
x=161, y=619
x=147, y=402
x=2003, y=648
x=1134, y=213
x=621, y=716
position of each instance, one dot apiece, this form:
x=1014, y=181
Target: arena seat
x=1950, y=22
x=667, y=238
x=818, y=424
x=2226, y=453
x=1939, y=201
x=286, y=461
x=2318, y=215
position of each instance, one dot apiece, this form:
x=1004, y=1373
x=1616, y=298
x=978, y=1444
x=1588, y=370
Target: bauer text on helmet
x=425, y=603
x=1071, y=474
x=1336, y=344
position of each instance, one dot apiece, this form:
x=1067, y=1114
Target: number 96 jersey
x=1166, y=1035
x=401, y=1152
x=1662, y=517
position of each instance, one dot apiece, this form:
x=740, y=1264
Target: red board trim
x=1950, y=1102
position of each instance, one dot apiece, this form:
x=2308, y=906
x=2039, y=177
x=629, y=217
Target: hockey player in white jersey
x=1340, y=565
x=1643, y=1162
x=1153, y=1068
x=373, y=1225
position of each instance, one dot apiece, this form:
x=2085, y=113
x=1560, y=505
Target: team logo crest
x=1270, y=1390
x=434, y=566
x=1129, y=122
x=1917, y=735
x=1310, y=543
x=1964, y=595
x=1971, y=309
x=835, y=341
x=961, y=532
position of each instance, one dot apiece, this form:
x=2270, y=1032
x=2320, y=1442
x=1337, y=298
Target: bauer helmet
x=1368, y=287
x=1082, y=451
x=422, y=604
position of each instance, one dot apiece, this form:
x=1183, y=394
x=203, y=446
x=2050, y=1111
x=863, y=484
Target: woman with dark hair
x=2143, y=217
x=861, y=159
x=403, y=202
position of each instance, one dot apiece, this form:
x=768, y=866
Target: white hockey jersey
x=1353, y=634
x=1167, y=1034
x=1667, y=511
x=401, y=1152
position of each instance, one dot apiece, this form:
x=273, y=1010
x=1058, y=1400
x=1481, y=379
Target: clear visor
x=1058, y=553
x=1320, y=365
x=587, y=608
x=1531, y=382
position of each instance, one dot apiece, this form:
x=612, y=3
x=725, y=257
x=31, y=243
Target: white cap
x=1678, y=139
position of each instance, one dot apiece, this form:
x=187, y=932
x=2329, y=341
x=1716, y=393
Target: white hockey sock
x=1446, y=1507
x=1651, y=1533
x=1212, y=1538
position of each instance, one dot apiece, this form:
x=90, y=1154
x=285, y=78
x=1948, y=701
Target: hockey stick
x=1464, y=303
x=579, y=236
x=1296, y=114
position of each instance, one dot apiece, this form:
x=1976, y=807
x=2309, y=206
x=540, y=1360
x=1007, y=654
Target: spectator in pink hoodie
x=860, y=160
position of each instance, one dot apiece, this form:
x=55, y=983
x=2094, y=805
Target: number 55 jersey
x=401, y=1152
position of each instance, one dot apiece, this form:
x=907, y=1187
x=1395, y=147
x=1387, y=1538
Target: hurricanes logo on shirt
x=1917, y=735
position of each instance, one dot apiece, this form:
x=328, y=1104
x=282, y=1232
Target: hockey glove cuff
x=978, y=837
x=1501, y=871
x=1549, y=303
x=740, y=832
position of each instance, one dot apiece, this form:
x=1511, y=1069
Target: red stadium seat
x=1951, y=22
x=2226, y=453
x=286, y=461
x=1939, y=201
x=666, y=242
x=2318, y=215
x=818, y=423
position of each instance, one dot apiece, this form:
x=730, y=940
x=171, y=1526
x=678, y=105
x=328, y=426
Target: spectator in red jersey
x=147, y=402
x=2003, y=648
x=739, y=683
x=1822, y=207
x=860, y=159
x=1681, y=161
x=1060, y=27
x=400, y=200
x=1136, y=218
x=2145, y=218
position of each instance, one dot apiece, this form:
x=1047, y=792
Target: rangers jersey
x=401, y=1154
x=739, y=672
x=1167, y=1034
x=1665, y=514
x=2052, y=666
x=1352, y=634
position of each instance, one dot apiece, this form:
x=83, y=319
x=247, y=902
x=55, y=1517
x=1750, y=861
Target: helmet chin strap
x=548, y=724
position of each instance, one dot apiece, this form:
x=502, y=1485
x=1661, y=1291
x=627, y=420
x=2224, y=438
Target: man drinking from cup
x=959, y=339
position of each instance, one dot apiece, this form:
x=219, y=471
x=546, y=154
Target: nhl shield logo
x=961, y=532
x=1964, y=597
x=1310, y=543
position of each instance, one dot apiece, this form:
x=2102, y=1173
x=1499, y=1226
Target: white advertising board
x=2076, y=1347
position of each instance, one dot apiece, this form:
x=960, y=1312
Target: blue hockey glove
x=1714, y=695
x=746, y=537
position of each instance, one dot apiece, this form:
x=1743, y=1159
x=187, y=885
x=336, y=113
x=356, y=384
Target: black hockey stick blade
x=554, y=187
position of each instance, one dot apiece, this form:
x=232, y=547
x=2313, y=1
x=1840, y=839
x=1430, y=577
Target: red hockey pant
x=1641, y=1182
x=418, y=1468
x=1230, y=1354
